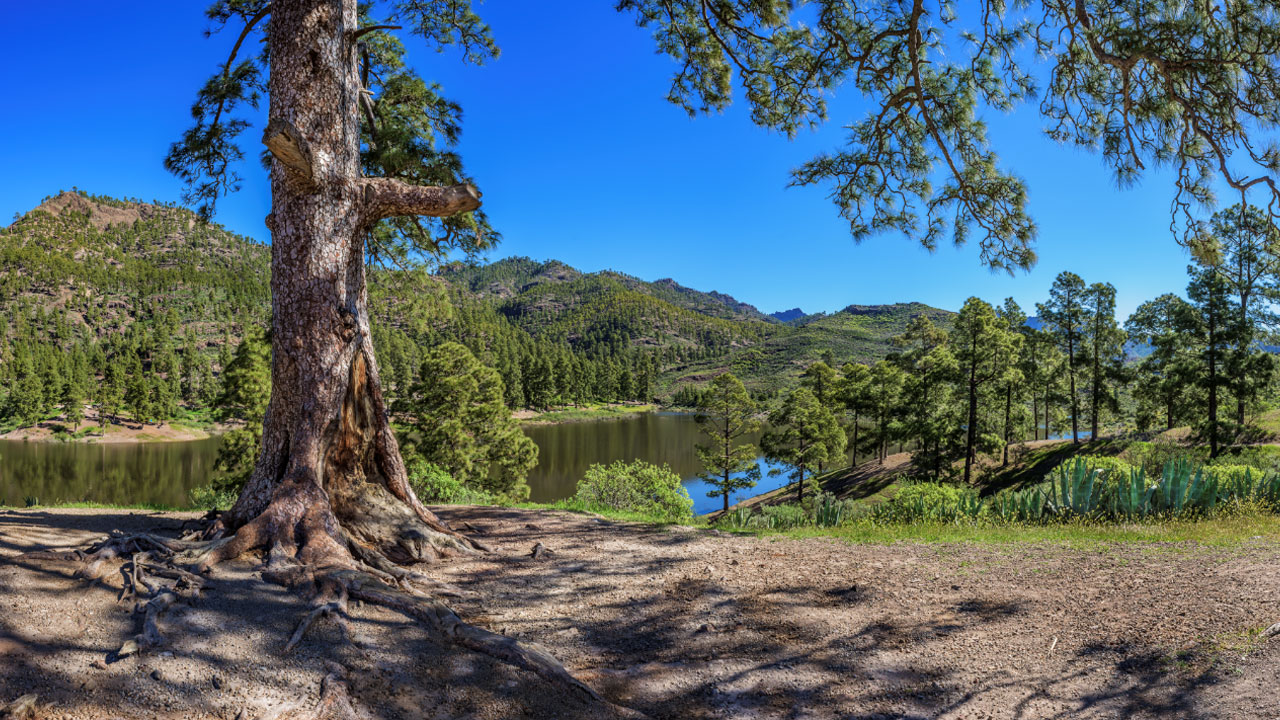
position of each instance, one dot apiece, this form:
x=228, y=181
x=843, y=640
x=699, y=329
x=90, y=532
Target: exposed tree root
x=335, y=699
x=24, y=708
x=150, y=636
x=330, y=572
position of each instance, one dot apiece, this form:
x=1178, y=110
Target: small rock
x=217, y=682
x=955, y=587
x=156, y=675
x=98, y=664
x=733, y=562
x=706, y=627
x=1272, y=631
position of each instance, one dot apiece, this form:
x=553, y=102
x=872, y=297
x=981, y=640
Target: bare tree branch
x=384, y=198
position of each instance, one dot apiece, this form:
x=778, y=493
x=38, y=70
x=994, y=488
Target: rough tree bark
x=330, y=482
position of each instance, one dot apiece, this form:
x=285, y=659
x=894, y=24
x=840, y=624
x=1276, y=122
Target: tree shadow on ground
x=676, y=622
x=677, y=635
x=223, y=654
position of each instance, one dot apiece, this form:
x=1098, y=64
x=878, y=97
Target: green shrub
x=1112, y=470
x=1228, y=471
x=433, y=485
x=783, y=517
x=1152, y=457
x=213, y=497
x=636, y=487
x=929, y=493
x=928, y=501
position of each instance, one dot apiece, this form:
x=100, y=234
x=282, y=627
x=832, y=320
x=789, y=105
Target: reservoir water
x=164, y=473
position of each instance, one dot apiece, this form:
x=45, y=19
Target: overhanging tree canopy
x=1189, y=86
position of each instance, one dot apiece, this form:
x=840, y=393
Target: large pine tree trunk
x=330, y=481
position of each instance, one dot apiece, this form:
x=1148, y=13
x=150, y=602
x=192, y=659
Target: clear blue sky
x=581, y=159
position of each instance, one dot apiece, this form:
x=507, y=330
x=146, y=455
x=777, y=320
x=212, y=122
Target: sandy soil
x=117, y=432
x=681, y=623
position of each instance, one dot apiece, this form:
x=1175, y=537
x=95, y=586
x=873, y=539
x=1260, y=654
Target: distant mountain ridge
x=550, y=299
x=787, y=315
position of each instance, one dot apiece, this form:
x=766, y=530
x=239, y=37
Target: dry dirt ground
x=679, y=623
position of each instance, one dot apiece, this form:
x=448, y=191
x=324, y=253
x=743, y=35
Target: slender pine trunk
x=971, y=431
x=1008, y=412
x=1075, y=399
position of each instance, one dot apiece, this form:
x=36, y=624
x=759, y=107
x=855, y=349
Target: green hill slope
x=98, y=292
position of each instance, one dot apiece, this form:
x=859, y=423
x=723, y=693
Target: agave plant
x=1019, y=505
x=1132, y=497
x=969, y=506
x=1183, y=490
x=1251, y=486
x=738, y=518
x=1075, y=490
x=829, y=511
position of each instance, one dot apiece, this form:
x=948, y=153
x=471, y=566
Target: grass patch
x=1221, y=531
x=575, y=506
x=155, y=507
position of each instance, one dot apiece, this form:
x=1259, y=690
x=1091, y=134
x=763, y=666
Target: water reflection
x=122, y=473
x=566, y=451
x=164, y=473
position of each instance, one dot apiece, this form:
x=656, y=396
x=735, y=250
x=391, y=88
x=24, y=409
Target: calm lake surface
x=163, y=473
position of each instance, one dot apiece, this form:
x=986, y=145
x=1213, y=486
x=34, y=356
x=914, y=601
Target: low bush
x=928, y=501
x=1113, y=470
x=213, y=497
x=637, y=487
x=433, y=485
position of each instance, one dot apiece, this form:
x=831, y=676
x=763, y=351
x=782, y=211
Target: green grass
x=573, y=506
x=1226, y=531
x=156, y=507
x=1221, y=531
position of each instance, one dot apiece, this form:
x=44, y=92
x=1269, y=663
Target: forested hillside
x=126, y=305
x=135, y=307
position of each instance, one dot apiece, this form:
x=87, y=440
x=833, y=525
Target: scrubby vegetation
x=1088, y=490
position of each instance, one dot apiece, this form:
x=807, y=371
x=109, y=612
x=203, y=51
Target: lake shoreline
x=89, y=432
x=121, y=432
x=567, y=415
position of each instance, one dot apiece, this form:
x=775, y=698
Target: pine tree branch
x=235, y=49
x=385, y=197
x=357, y=34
